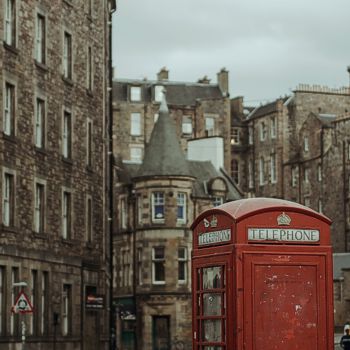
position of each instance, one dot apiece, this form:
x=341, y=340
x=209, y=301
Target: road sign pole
x=23, y=332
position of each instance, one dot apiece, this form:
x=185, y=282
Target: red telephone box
x=262, y=277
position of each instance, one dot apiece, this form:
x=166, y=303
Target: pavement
x=337, y=337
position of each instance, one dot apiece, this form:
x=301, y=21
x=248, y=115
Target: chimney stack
x=163, y=74
x=223, y=81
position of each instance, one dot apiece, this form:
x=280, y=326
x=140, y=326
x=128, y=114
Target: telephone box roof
x=242, y=208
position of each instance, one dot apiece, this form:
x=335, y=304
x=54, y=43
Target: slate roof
x=178, y=93
x=163, y=154
x=266, y=109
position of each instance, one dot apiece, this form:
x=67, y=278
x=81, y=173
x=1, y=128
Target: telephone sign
x=22, y=304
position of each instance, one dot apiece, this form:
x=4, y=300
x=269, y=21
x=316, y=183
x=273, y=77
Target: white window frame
x=139, y=209
x=263, y=131
x=136, y=154
x=273, y=130
x=250, y=174
x=139, y=266
x=320, y=206
x=273, y=168
x=67, y=129
x=9, y=109
x=67, y=214
x=89, y=142
x=123, y=213
x=319, y=172
x=40, y=38
x=250, y=135
x=261, y=171
x=210, y=125
x=135, y=124
x=39, y=132
x=181, y=201
x=158, y=200
x=39, y=206
x=217, y=200
x=306, y=143
x=89, y=69
x=156, y=261
x=235, y=139
x=307, y=175
x=294, y=176
x=186, y=125
x=135, y=93
x=66, y=309
x=8, y=198
x=67, y=55
x=10, y=22
x=182, y=264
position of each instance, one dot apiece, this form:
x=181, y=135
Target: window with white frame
x=67, y=135
x=89, y=69
x=217, y=200
x=135, y=124
x=261, y=171
x=210, y=126
x=66, y=319
x=273, y=130
x=235, y=137
x=9, y=110
x=139, y=209
x=135, y=93
x=8, y=199
x=3, y=311
x=294, y=176
x=250, y=174
x=40, y=36
x=181, y=207
x=273, y=169
x=136, y=154
x=158, y=93
x=306, y=144
x=123, y=214
x=235, y=170
x=139, y=267
x=39, y=123
x=306, y=175
x=67, y=55
x=158, y=202
x=250, y=135
x=182, y=264
x=89, y=221
x=66, y=215
x=126, y=267
x=320, y=206
x=263, y=131
x=158, y=265
x=89, y=141
x=44, y=303
x=10, y=22
x=186, y=125
x=39, y=208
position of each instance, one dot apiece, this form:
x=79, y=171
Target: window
x=139, y=266
x=186, y=125
x=261, y=171
x=14, y=292
x=89, y=69
x=235, y=137
x=139, y=209
x=235, y=170
x=9, y=110
x=39, y=123
x=158, y=265
x=67, y=135
x=209, y=126
x=66, y=309
x=66, y=215
x=217, y=201
x=307, y=175
x=263, y=131
x=10, y=23
x=126, y=267
x=89, y=216
x=158, y=206
x=136, y=154
x=161, y=339
x=181, y=207
x=273, y=169
x=3, y=311
x=34, y=295
x=135, y=93
x=250, y=135
x=250, y=174
x=44, y=303
x=67, y=56
x=158, y=93
x=123, y=214
x=273, y=129
x=319, y=172
x=294, y=176
x=39, y=208
x=135, y=124
x=182, y=264
x=40, y=45
x=320, y=206
x=306, y=144
x=89, y=143
x=8, y=200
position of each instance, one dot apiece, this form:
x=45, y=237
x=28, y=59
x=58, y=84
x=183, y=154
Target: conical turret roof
x=163, y=154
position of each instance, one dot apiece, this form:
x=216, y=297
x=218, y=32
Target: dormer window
x=135, y=93
x=217, y=201
x=158, y=93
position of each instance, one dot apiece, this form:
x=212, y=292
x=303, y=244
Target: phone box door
x=285, y=302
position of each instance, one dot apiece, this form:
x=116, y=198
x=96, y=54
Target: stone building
x=55, y=59
x=199, y=109
x=158, y=199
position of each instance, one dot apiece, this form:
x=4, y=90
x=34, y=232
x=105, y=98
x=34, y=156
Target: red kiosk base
x=262, y=277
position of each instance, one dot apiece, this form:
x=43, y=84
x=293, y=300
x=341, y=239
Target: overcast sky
x=268, y=46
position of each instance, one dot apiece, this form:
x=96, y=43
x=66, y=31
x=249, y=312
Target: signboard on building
x=283, y=235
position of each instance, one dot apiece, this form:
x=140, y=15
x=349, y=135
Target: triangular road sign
x=22, y=304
